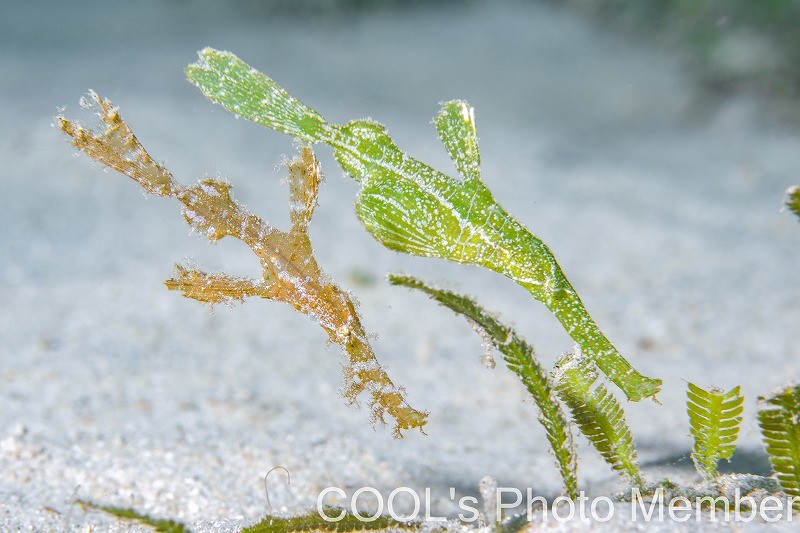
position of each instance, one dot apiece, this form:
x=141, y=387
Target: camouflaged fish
x=412, y=208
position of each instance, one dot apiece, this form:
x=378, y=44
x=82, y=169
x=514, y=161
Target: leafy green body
x=412, y=208
x=598, y=414
x=715, y=418
x=520, y=358
x=780, y=427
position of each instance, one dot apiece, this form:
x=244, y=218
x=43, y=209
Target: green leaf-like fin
x=412, y=208
x=598, y=414
x=158, y=524
x=520, y=358
x=314, y=522
x=456, y=126
x=715, y=417
x=781, y=432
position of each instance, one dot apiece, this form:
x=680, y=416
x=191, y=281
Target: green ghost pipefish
x=412, y=208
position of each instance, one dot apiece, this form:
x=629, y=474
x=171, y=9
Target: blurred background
x=648, y=143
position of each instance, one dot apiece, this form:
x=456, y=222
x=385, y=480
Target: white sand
x=663, y=207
